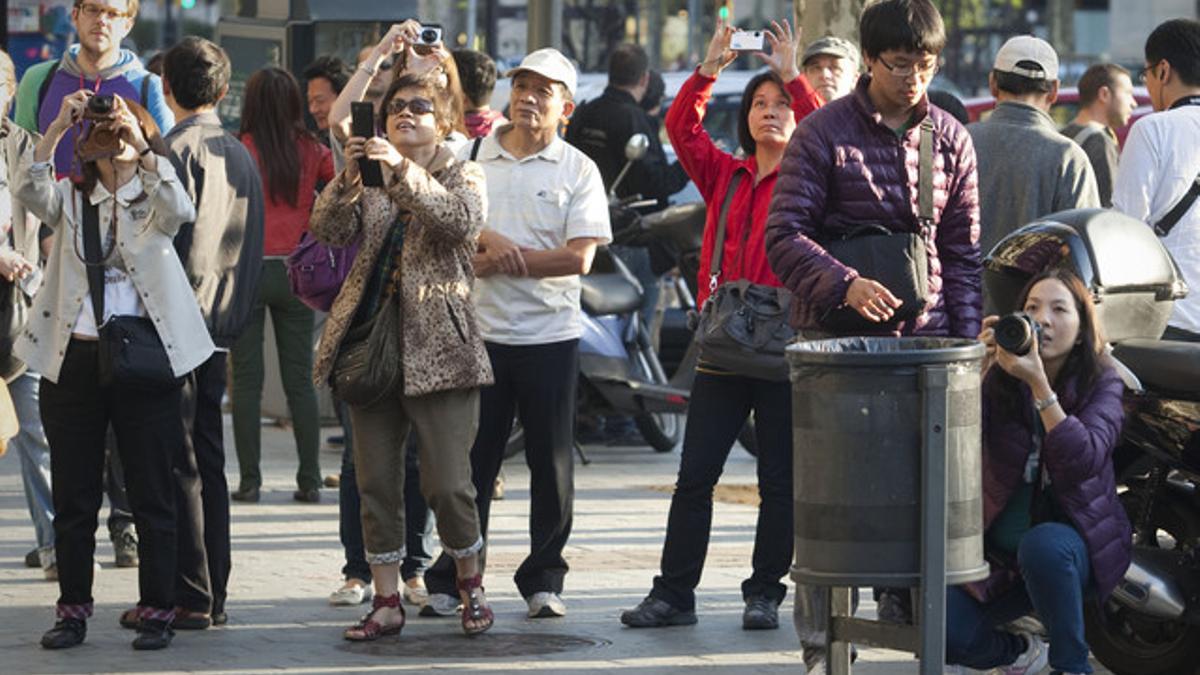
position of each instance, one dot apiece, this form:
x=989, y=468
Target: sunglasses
x=418, y=106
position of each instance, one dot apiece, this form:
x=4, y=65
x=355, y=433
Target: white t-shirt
x=120, y=295
x=1157, y=167
x=539, y=202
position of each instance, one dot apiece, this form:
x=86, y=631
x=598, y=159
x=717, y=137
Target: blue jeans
x=30, y=444
x=1056, y=572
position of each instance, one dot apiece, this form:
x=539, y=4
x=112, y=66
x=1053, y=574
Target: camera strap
x=93, y=260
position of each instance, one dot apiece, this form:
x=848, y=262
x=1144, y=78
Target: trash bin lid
x=883, y=351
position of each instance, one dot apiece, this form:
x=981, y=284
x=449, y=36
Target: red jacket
x=283, y=223
x=711, y=168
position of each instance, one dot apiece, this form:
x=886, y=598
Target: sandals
x=473, y=610
x=368, y=629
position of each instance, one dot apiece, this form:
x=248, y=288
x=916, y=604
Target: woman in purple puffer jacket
x=1055, y=531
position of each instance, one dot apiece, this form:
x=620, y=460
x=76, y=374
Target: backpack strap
x=1083, y=135
x=714, y=266
x=925, y=178
x=1163, y=227
x=146, y=91
x=44, y=87
x=475, y=147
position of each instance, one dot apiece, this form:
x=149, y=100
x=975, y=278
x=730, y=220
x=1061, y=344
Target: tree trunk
x=828, y=17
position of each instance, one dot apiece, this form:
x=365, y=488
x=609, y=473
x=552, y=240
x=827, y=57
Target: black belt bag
x=131, y=353
x=743, y=326
x=897, y=259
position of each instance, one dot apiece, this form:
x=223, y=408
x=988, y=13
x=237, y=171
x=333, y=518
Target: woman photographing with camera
x=401, y=344
x=1055, y=530
x=113, y=330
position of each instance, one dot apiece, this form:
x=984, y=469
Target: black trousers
x=76, y=413
x=718, y=409
x=202, y=495
x=537, y=383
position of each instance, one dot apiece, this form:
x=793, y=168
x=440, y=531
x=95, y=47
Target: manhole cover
x=492, y=644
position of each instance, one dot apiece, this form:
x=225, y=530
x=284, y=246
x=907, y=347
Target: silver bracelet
x=1046, y=402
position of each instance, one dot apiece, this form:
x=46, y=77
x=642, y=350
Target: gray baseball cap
x=832, y=46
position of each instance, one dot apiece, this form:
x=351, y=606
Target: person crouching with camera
x=1055, y=531
x=113, y=331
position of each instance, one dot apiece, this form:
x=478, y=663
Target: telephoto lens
x=1016, y=332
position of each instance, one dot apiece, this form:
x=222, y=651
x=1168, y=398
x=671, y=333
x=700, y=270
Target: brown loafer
x=129, y=618
x=189, y=620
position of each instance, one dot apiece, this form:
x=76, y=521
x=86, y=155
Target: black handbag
x=743, y=326
x=897, y=259
x=367, y=368
x=131, y=353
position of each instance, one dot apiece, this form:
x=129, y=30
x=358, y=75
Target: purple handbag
x=317, y=271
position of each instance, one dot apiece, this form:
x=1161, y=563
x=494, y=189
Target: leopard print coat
x=442, y=346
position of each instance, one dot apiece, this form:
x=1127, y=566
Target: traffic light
x=187, y=4
x=725, y=10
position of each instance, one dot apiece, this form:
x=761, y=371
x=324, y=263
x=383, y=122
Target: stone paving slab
x=287, y=560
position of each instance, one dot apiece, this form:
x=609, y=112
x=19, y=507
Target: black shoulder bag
x=131, y=354
x=896, y=259
x=743, y=326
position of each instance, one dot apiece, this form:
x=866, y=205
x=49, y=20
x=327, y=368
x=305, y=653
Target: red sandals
x=368, y=629
x=473, y=610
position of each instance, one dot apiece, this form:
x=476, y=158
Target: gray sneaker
x=760, y=614
x=125, y=547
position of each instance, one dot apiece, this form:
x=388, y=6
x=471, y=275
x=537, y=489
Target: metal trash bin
x=863, y=409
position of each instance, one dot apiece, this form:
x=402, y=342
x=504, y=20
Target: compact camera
x=746, y=41
x=430, y=34
x=1016, y=332
x=99, y=107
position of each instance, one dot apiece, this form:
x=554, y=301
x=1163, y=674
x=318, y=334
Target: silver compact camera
x=429, y=34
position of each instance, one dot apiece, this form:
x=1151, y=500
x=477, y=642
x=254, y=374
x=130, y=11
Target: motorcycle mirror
x=636, y=147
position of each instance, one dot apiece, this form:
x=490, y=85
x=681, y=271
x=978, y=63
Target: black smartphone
x=362, y=124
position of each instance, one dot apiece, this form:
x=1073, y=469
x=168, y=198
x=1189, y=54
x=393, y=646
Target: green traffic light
x=723, y=12
x=187, y=4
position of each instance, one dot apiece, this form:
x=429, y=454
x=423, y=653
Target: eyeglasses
x=1144, y=74
x=926, y=69
x=418, y=106
x=94, y=11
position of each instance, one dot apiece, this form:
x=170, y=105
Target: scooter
x=1150, y=625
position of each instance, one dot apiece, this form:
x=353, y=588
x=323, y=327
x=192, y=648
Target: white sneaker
x=351, y=594
x=440, y=604
x=546, y=605
x=1032, y=660
x=415, y=593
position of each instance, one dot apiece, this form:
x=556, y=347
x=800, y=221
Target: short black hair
x=743, y=130
x=1094, y=78
x=1178, y=43
x=951, y=104
x=627, y=65
x=477, y=72
x=197, y=71
x=656, y=87
x=331, y=68
x=905, y=25
x=1020, y=85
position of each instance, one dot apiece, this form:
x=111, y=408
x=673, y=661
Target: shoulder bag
x=316, y=271
x=368, y=365
x=131, y=353
x=896, y=259
x=743, y=326
x=1163, y=227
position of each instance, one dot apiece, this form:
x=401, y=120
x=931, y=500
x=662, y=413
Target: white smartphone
x=747, y=41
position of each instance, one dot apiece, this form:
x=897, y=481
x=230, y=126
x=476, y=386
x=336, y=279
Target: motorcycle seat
x=609, y=293
x=1162, y=365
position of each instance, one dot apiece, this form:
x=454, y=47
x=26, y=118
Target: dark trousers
x=718, y=409
x=76, y=413
x=537, y=383
x=1056, y=572
x=418, y=516
x=202, y=500
x=120, y=516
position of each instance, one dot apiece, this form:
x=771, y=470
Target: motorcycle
x=1150, y=625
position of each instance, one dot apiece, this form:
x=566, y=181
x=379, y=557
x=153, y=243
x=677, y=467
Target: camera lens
x=429, y=36
x=1015, y=333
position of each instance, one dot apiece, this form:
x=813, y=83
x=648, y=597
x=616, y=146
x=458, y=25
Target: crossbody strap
x=1163, y=227
x=714, y=266
x=925, y=178
x=92, y=258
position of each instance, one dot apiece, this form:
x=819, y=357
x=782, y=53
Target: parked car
x=1064, y=109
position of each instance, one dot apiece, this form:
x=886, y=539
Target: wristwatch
x=1046, y=402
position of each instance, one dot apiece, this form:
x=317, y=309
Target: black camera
x=99, y=106
x=1016, y=332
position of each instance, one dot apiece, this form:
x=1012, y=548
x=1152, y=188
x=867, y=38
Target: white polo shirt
x=539, y=202
x=1157, y=166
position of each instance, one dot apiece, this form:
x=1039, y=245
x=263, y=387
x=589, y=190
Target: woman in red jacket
x=772, y=104
x=291, y=163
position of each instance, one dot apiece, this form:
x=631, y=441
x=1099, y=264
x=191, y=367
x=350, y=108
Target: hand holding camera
x=782, y=58
x=1014, y=343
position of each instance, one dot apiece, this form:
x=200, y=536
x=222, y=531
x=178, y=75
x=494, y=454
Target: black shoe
x=248, y=494
x=153, y=634
x=309, y=496
x=220, y=618
x=33, y=560
x=894, y=606
x=761, y=613
x=66, y=633
x=652, y=613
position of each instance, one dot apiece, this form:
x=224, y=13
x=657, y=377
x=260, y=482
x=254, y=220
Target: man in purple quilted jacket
x=855, y=162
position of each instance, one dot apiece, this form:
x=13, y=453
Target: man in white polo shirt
x=547, y=213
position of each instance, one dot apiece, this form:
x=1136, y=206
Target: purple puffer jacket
x=844, y=164
x=1078, y=456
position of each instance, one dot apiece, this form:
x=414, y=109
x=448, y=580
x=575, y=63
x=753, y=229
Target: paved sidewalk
x=287, y=560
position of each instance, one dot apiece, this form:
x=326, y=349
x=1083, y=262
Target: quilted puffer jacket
x=844, y=166
x=1077, y=454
